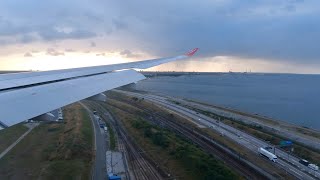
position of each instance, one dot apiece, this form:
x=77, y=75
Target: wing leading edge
x=27, y=95
x=14, y=80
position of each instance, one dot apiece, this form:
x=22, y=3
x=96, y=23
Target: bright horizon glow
x=236, y=64
x=40, y=61
x=43, y=62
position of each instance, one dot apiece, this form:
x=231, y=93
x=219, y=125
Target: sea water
x=292, y=98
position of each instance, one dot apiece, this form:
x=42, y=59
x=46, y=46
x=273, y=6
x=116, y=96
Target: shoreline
x=253, y=115
x=286, y=98
x=281, y=128
x=306, y=136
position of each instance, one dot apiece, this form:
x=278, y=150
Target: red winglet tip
x=191, y=53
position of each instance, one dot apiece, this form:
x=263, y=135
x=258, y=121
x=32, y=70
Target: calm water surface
x=288, y=97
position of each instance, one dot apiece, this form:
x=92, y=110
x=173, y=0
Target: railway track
x=141, y=167
x=202, y=140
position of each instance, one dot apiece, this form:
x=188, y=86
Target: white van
x=313, y=167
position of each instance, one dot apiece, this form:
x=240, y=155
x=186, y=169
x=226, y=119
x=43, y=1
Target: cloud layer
x=276, y=30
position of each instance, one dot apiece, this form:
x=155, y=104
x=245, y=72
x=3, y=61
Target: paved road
x=99, y=171
x=252, y=143
x=30, y=126
x=281, y=129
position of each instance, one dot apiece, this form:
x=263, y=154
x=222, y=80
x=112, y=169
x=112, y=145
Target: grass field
x=112, y=138
x=10, y=135
x=53, y=151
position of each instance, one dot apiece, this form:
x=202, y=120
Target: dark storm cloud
x=128, y=54
x=27, y=54
x=27, y=38
x=100, y=54
x=8, y=28
x=119, y=24
x=93, y=44
x=52, y=34
x=69, y=50
x=43, y=19
x=53, y=52
x=287, y=30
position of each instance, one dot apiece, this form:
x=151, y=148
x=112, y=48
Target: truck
x=267, y=154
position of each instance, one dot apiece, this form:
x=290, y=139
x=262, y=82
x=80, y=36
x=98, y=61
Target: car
x=268, y=148
x=313, y=167
x=304, y=162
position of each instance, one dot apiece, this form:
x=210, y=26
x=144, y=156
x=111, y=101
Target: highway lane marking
x=295, y=171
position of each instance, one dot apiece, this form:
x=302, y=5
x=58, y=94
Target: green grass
x=10, y=135
x=53, y=151
x=73, y=158
x=112, y=137
x=198, y=163
x=25, y=160
x=62, y=169
x=87, y=129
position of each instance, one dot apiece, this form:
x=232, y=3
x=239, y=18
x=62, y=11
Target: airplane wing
x=30, y=94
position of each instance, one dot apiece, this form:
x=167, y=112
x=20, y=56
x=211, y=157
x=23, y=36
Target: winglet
x=191, y=53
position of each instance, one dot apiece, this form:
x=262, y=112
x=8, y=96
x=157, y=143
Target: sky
x=233, y=35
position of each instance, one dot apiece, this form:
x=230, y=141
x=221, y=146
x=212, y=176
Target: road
x=142, y=168
x=30, y=126
x=99, y=170
x=283, y=129
x=290, y=165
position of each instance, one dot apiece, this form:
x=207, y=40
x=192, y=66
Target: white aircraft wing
x=29, y=94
